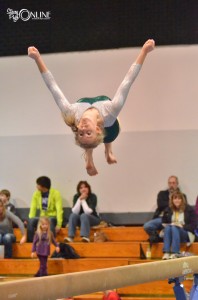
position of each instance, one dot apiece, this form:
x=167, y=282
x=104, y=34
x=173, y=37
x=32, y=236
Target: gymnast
x=93, y=120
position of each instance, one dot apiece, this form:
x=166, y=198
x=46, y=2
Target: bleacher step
x=100, y=297
x=91, y=250
x=118, y=234
x=162, y=288
x=57, y=266
x=123, y=248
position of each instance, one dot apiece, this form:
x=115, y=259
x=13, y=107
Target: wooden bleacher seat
x=89, y=250
x=99, y=297
x=123, y=248
x=29, y=266
x=118, y=234
x=153, y=288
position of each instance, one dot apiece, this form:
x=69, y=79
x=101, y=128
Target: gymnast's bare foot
x=109, y=154
x=90, y=167
x=110, y=158
x=91, y=170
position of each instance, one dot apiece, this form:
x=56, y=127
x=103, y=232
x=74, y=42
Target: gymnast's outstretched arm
x=58, y=95
x=119, y=99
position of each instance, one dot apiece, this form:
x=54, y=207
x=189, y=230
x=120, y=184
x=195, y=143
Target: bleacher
x=124, y=247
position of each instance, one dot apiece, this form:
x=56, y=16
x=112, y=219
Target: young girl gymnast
x=93, y=120
x=41, y=245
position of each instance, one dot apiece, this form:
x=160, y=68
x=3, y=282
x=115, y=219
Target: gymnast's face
x=87, y=131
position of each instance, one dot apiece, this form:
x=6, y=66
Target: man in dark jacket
x=153, y=226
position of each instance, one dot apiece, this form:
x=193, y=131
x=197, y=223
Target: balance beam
x=80, y=283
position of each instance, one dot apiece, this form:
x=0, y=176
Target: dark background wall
x=79, y=25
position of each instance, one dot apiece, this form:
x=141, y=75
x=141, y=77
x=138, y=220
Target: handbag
x=100, y=237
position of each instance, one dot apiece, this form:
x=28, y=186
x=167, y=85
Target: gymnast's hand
x=33, y=53
x=149, y=45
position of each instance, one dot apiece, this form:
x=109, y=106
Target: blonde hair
x=71, y=122
x=178, y=195
x=39, y=229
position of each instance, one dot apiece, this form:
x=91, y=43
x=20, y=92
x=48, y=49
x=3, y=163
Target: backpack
x=66, y=251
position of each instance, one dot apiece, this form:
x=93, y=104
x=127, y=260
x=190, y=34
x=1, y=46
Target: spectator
x=83, y=212
x=5, y=197
x=179, y=224
x=7, y=237
x=49, y=202
x=153, y=226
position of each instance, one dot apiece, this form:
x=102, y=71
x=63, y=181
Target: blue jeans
x=173, y=236
x=153, y=225
x=32, y=226
x=7, y=239
x=84, y=221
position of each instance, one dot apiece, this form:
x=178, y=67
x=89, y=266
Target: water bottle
x=148, y=252
x=2, y=249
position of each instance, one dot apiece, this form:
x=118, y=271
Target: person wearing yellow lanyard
x=179, y=223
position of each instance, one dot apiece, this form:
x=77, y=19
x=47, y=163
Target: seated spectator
x=49, y=203
x=179, y=224
x=153, y=226
x=7, y=236
x=83, y=213
x=5, y=197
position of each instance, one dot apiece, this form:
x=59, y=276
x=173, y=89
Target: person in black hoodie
x=179, y=223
